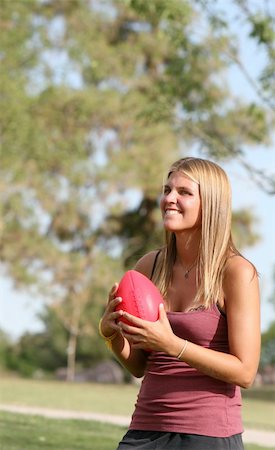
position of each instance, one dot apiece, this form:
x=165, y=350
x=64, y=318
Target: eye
x=166, y=190
x=184, y=192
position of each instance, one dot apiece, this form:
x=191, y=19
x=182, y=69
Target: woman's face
x=180, y=203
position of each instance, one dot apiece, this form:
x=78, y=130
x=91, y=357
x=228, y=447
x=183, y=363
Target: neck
x=187, y=248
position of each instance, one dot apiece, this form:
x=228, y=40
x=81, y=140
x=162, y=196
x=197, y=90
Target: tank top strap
x=154, y=265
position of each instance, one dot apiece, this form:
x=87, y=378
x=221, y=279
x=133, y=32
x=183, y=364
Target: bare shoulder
x=240, y=284
x=239, y=268
x=145, y=264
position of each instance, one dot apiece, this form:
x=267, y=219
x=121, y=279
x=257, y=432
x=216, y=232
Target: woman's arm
x=242, y=303
x=243, y=317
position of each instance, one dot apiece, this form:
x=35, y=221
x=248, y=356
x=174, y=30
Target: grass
x=20, y=432
x=99, y=398
x=80, y=397
x=259, y=414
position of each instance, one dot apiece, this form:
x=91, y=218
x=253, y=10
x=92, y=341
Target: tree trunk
x=71, y=356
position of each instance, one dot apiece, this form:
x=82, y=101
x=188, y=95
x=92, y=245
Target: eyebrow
x=179, y=187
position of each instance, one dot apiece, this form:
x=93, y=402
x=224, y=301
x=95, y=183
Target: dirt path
x=266, y=438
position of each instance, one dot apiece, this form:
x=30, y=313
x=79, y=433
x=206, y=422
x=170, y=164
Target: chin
x=173, y=228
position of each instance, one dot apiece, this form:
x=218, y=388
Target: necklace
x=187, y=271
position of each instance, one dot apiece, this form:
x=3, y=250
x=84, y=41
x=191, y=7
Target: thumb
x=162, y=314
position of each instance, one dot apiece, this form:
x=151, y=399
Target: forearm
x=239, y=366
x=219, y=365
x=132, y=359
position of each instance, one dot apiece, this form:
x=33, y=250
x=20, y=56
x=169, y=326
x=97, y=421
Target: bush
x=265, y=393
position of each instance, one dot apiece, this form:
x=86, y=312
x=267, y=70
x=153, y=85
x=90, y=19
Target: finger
x=117, y=315
x=125, y=328
x=113, y=304
x=134, y=339
x=140, y=346
x=113, y=290
x=134, y=320
x=162, y=314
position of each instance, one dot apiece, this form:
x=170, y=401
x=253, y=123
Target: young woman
x=206, y=343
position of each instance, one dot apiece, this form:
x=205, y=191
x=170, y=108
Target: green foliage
x=4, y=344
x=46, y=351
x=257, y=19
x=268, y=337
x=263, y=29
x=272, y=296
x=140, y=228
x=268, y=346
x=243, y=229
x=35, y=352
x=264, y=393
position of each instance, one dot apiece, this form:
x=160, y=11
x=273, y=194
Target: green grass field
x=20, y=432
x=80, y=397
x=98, y=398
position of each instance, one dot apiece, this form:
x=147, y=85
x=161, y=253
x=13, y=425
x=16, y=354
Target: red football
x=140, y=297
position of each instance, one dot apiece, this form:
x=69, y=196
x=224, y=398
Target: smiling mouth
x=172, y=212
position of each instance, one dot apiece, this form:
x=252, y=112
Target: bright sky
x=18, y=312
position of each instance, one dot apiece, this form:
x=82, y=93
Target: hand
x=110, y=316
x=144, y=334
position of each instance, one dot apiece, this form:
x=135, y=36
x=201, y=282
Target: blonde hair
x=216, y=243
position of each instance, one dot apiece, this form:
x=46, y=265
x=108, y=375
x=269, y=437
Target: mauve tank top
x=178, y=398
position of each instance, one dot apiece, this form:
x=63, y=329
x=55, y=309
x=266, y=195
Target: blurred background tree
x=97, y=99
x=268, y=337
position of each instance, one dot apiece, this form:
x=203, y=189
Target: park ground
x=104, y=404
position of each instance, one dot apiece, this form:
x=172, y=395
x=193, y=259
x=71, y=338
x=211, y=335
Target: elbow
x=247, y=380
x=139, y=376
x=138, y=373
x=246, y=384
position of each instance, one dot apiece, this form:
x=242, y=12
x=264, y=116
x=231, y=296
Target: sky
x=18, y=311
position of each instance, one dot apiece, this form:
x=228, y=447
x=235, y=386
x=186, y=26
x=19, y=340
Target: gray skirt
x=162, y=440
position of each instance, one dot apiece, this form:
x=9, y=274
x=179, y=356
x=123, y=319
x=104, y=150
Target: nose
x=171, y=196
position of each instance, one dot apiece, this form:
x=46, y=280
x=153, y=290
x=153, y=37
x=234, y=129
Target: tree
x=268, y=346
x=272, y=295
x=51, y=190
x=268, y=337
x=139, y=88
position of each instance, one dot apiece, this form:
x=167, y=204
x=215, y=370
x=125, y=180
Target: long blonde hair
x=216, y=243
